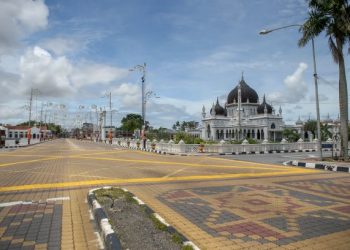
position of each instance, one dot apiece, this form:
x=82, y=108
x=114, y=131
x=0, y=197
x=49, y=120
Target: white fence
x=11, y=143
x=221, y=148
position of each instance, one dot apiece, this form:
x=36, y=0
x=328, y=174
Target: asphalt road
x=215, y=202
x=276, y=158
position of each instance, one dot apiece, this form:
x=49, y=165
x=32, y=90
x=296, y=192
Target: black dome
x=262, y=106
x=219, y=110
x=246, y=93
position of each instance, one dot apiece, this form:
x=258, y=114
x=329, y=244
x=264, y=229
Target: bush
x=252, y=141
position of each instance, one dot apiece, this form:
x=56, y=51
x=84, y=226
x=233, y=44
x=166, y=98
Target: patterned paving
x=28, y=225
x=261, y=213
x=338, y=187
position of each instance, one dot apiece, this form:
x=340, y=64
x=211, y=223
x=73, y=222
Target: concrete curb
x=110, y=239
x=109, y=236
x=321, y=166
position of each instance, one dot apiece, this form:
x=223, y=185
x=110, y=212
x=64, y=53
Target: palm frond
x=316, y=23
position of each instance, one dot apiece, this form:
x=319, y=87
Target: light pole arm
x=265, y=31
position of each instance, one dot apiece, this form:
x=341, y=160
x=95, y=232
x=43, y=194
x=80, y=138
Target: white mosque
x=242, y=117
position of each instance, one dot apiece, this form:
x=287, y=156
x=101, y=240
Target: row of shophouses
x=23, y=135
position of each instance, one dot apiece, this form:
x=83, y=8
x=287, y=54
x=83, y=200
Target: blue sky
x=74, y=51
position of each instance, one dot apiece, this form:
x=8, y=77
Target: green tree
x=187, y=138
x=325, y=133
x=185, y=124
x=176, y=126
x=311, y=125
x=333, y=18
x=291, y=135
x=131, y=122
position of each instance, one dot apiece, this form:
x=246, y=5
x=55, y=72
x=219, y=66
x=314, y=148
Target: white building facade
x=242, y=117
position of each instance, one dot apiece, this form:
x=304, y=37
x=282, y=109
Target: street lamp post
x=264, y=32
x=142, y=68
x=148, y=95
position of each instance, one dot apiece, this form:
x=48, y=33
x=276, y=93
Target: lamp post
x=266, y=31
x=148, y=95
x=142, y=69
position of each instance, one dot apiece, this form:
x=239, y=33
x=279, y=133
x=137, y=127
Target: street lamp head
x=264, y=32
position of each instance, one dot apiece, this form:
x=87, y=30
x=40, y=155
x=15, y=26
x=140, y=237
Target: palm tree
x=333, y=18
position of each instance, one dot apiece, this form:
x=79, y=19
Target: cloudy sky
x=75, y=51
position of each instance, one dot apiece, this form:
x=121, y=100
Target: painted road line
x=173, y=173
x=13, y=203
x=281, y=168
x=150, y=180
x=22, y=155
x=246, y=162
x=98, y=153
x=64, y=198
x=29, y=161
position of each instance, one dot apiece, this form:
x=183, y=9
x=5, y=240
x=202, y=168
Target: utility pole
x=30, y=106
x=317, y=102
x=41, y=115
x=110, y=108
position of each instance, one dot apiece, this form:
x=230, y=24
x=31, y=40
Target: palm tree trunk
x=343, y=101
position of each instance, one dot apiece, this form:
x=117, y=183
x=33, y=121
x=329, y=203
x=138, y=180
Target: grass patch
x=176, y=238
x=158, y=223
x=112, y=193
x=187, y=247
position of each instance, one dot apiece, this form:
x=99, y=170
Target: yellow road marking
x=240, y=161
x=281, y=168
x=22, y=155
x=21, y=162
x=173, y=173
x=148, y=180
x=98, y=153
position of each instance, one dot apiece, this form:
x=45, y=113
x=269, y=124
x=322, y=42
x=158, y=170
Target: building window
x=273, y=126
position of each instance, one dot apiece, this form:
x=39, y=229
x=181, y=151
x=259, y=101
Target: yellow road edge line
x=21, y=162
x=146, y=180
x=249, y=162
x=98, y=153
x=281, y=168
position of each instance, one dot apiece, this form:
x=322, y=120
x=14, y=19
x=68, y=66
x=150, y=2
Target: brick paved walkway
x=305, y=213
x=216, y=203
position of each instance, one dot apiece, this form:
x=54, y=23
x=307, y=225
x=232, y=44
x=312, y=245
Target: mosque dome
x=262, y=106
x=219, y=110
x=247, y=94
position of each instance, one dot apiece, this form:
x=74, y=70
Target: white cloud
x=61, y=46
x=128, y=94
x=88, y=73
x=8, y=84
x=295, y=87
x=48, y=74
x=19, y=18
x=11, y=112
